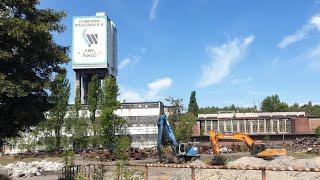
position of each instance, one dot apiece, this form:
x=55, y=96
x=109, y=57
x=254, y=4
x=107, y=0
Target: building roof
x=251, y=115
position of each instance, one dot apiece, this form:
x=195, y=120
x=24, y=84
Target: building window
x=268, y=126
x=215, y=125
x=248, y=126
x=228, y=125
x=282, y=125
x=254, y=126
x=241, y=125
x=261, y=125
x=275, y=126
x=289, y=126
x=235, y=125
x=221, y=126
x=208, y=126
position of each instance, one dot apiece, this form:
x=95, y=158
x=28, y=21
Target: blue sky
x=230, y=52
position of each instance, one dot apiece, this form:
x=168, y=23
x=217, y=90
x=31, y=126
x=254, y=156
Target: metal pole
x=193, y=173
x=264, y=177
x=145, y=172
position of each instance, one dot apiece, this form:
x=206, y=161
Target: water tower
x=94, y=50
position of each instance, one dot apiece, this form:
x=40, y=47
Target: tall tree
x=273, y=104
x=60, y=92
x=76, y=125
x=184, y=128
x=181, y=122
x=110, y=122
x=28, y=59
x=193, y=105
x=93, y=100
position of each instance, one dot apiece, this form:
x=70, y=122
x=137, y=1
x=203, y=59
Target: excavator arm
x=258, y=150
x=215, y=137
x=165, y=131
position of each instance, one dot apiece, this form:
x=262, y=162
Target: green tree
x=294, y=107
x=93, y=100
x=273, y=104
x=110, y=122
x=181, y=122
x=29, y=57
x=60, y=92
x=184, y=127
x=193, y=105
x=175, y=110
x=76, y=125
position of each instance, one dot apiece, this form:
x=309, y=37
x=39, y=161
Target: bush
x=318, y=131
x=122, y=144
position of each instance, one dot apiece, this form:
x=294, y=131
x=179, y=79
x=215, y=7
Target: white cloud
x=313, y=58
x=124, y=63
x=222, y=58
x=130, y=96
x=153, y=10
x=314, y=23
x=152, y=93
x=129, y=60
x=156, y=86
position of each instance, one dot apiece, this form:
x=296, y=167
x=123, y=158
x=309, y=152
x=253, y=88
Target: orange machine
x=257, y=149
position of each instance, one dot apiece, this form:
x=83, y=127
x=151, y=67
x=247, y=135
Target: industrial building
x=141, y=118
x=258, y=124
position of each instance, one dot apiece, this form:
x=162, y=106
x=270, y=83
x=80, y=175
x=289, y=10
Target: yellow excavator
x=259, y=150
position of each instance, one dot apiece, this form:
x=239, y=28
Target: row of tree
x=269, y=104
x=78, y=130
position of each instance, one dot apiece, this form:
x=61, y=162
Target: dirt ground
x=292, y=160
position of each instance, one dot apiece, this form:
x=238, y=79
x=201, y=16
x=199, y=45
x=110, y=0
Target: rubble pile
x=105, y=155
x=140, y=154
x=279, y=162
x=102, y=155
x=307, y=144
x=205, y=149
x=35, y=168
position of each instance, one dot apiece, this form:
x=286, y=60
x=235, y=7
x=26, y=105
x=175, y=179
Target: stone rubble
x=280, y=162
x=35, y=168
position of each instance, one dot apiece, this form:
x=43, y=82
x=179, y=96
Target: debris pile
x=102, y=155
x=205, y=149
x=306, y=144
x=105, y=155
x=140, y=154
x=35, y=168
x=279, y=162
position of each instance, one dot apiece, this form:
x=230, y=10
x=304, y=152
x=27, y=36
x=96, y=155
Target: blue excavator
x=181, y=152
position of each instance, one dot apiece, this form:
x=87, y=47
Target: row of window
x=136, y=121
x=249, y=126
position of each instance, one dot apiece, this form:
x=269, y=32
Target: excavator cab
x=257, y=148
x=186, y=152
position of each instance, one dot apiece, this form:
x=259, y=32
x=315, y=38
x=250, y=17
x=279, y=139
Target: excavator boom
x=258, y=150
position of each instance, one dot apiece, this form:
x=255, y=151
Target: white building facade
x=141, y=119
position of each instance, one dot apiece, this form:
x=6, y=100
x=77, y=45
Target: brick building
x=255, y=124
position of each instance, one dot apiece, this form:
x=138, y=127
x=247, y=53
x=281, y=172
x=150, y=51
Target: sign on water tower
x=89, y=42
